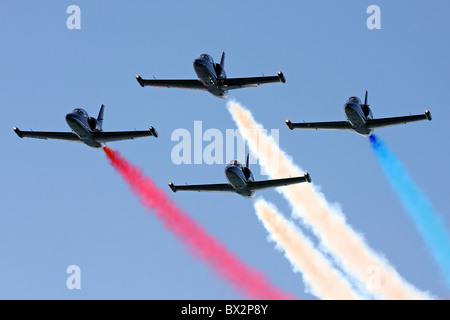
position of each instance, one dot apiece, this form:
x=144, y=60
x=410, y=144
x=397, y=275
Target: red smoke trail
x=245, y=279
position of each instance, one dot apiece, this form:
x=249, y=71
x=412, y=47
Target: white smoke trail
x=323, y=280
x=348, y=247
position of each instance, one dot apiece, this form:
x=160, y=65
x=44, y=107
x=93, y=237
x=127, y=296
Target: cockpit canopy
x=207, y=57
x=354, y=100
x=235, y=163
x=80, y=112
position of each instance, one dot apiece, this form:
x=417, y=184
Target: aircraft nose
x=349, y=107
x=71, y=117
x=199, y=63
x=232, y=170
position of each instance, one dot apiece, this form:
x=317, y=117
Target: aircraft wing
x=387, y=122
x=335, y=125
x=223, y=187
x=236, y=83
x=265, y=184
x=181, y=84
x=123, y=135
x=67, y=136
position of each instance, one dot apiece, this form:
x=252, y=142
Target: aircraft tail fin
x=365, y=106
x=222, y=60
x=246, y=169
x=100, y=115
x=247, y=163
x=365, y=99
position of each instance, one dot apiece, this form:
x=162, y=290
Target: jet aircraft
x=87, y=130
x=212, y=78
x=360, y=119
x=241, y=181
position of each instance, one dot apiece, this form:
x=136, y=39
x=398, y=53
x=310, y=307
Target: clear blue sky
x=63, y=204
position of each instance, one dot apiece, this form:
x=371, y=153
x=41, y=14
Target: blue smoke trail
x=419, y=208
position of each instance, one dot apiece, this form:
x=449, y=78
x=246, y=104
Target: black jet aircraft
x=212, y=78
x=360, y=119
x=87, y=130
x=241, y=181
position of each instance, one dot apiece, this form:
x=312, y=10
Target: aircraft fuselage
x=357, y=114
x=83, y=126
x=205, y=68
x=238, y=180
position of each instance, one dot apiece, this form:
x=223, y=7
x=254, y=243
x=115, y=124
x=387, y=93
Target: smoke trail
x=319, y=275
x=328, y=223
x=430, y=225
x=245, y=279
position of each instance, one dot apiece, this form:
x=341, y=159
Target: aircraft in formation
x=212, y=78
x=241, y=181
x=360, y=119
x=87, y=130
